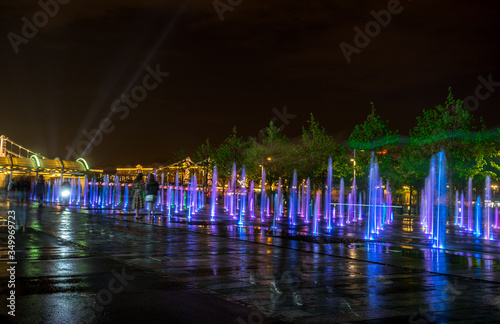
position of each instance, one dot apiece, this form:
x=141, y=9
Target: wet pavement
x=92, y=266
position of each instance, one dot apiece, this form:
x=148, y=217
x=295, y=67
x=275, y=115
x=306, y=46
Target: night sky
x=264, y=55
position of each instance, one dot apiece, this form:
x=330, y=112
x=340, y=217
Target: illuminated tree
x=471, y=150
x=374, y=135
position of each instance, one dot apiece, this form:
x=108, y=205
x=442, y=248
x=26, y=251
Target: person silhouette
x=40, y=190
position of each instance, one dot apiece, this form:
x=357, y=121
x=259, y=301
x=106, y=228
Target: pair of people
x=151, y=189
x=23, y=190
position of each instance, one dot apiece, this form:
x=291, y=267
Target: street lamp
x=354, y=165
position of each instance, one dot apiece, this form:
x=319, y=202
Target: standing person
x=138, y=199
x=27, y=189
x=40, y=190
x=152, y=188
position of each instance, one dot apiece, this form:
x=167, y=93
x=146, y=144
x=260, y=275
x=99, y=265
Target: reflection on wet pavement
x=407, y=282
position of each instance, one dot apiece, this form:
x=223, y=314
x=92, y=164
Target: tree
x=274, y=153
x=315, y=149
x=228, y=152
x=452, y=128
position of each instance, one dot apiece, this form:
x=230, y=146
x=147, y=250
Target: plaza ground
x=70, y=259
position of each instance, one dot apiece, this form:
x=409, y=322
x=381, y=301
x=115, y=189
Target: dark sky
x=263, y=55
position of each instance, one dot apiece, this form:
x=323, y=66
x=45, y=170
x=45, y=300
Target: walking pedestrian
x=138, y=198
x=11, y=188
x=65, y=192
x=152, y=188
x=19, y=190
x=40, y=190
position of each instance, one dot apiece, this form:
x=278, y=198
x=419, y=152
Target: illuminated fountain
x=162, y=192
x=85, y=191
x=263, y=195
x=340, y=221
x=268, y=206
x=436, y=198
x=278, y=205
x=469, y=205
x=169, y=201
x=349, y=208
x=317, y=211
x=378, y=212
x=276, y=210
x=192, y=197
x=303, y=200
x=328, y=195
x=243, y=196
x=125, y=197
x=110, y=194
x=353, y=200
x=189, y=202
x=48, y=191
x=308, y=200
x=462, y=210
x=388, y=204
x=478, y=218
x=176, y=192
x=105, y=188
x=487, y=208
x=251, y=200
x=232, y=193
x=360, y=212
x=373, y=194
x=496, y=217
x=117, y=191
x=293, y=200
x=214, y=193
